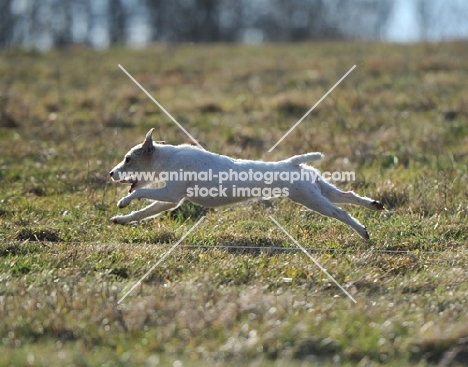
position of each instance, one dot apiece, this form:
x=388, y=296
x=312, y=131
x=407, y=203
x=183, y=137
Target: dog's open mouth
x=132, y=183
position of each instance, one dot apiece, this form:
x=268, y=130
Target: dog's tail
x=303, y=158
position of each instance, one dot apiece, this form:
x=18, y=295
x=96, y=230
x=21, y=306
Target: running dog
x=213, y=180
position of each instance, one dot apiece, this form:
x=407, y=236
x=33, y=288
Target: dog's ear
x=147, y=145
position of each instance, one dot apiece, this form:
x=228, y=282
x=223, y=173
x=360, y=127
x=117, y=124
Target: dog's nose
x=111, y=173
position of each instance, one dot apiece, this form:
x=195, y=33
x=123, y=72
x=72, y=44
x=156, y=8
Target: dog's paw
x=119, y=219
x=377, y=205
x=362, y=231
x=366, y=234
x=124, y=202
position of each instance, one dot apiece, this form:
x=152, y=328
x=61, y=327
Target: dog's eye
x=127, y=159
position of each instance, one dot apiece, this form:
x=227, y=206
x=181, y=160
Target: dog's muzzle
x=132, y=182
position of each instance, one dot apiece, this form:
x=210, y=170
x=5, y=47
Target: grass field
x=236, y=291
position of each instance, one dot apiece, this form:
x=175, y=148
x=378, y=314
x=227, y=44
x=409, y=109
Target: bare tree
x=157, y=19
x=6, y=23
x=117, y=21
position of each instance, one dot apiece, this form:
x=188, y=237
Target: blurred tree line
x=103, y=22
x=48, y=23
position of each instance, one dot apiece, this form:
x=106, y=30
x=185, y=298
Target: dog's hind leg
x=322, y=205
x=335, y=195
x=150, y=211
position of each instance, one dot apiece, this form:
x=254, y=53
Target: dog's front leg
x=168, y=194
x=151, y=210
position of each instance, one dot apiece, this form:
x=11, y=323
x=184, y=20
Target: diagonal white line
x=160, y=260
x=161, y=107
x=315, y=261
x=315, y=105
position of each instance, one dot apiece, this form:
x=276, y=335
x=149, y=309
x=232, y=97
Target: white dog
x=213, y=180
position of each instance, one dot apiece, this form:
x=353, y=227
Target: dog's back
x=297, y=160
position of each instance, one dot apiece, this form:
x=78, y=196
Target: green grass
x=236, y=291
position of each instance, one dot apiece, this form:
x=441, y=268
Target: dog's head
x=134, y=168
